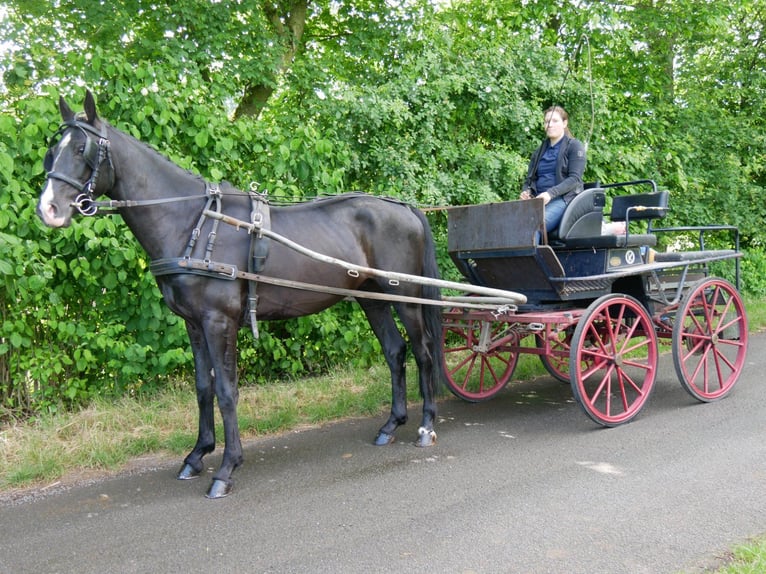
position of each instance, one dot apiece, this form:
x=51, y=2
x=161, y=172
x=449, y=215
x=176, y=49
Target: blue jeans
x=554, y=211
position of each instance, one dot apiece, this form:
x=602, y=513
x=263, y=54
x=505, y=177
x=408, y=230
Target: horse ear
x=66, y=112
x=90, y=107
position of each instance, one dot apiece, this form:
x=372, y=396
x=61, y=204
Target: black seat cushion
x=582, y=217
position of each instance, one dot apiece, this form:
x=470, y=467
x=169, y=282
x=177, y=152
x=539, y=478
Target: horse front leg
x=205, y=444
x=221, y=336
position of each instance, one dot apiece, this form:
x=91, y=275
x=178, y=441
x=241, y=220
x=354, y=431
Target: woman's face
x=554, y=126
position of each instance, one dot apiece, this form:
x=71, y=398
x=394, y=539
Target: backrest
x=639, y=206
x=583, y=215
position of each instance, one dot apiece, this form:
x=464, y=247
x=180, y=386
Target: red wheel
x=615, y=350
x=477, y=361
x=557, y=361
x=710, y=339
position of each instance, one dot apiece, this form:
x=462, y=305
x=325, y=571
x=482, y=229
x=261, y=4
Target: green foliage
x=308, y=345
x=439, y=104
x=753, y=270
x=68, y=333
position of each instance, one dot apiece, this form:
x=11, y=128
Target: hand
x=546, y=197
x=525, y=194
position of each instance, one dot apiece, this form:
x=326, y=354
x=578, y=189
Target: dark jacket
x=570, y=167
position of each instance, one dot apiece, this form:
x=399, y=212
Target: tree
x=438, y=103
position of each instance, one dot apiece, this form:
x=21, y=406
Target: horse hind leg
x=425, y=352
x=395, y=352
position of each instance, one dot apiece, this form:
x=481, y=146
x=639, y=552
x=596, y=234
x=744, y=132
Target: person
x=556, y=168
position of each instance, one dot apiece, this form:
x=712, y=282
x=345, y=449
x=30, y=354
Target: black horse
x=164, y=206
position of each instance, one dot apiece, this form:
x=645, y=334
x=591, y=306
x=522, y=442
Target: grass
x=108, y=434
x=749, y=558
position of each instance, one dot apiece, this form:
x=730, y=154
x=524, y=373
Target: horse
x=165, y=206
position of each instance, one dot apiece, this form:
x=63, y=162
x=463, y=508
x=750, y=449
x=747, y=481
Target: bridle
x=95, y=152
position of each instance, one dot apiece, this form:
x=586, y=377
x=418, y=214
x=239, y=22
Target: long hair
x=564, y=116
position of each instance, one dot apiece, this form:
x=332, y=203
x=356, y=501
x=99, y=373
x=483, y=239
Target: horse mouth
x=48, y=212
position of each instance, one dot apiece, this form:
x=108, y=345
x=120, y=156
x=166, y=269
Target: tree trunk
x=288, y=21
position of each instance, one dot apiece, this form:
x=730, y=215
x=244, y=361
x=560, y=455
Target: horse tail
x=432, y=314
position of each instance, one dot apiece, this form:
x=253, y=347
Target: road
x=523, y=483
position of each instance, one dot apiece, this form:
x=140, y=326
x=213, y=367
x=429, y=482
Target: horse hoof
x=425, y=437
x=187, y=472
x=219, y=489
x=384, y=439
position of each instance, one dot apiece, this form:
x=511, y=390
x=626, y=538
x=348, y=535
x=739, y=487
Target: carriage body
x=599, y=305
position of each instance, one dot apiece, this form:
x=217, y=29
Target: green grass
x=756, y=313
x=749, y=558
x=746, y=558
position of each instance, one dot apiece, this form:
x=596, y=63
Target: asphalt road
x=524, y=483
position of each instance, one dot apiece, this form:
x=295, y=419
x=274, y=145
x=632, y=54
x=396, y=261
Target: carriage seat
x=627, y=208
x=582, y=217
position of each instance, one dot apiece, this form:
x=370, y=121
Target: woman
x=556, y=168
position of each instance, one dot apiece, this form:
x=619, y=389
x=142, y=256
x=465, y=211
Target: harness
x=96, y=152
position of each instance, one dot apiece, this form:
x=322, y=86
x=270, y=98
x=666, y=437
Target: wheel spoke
x=701, y=364
x=596, y=364
x=491, y=369
x=693, y=342
x=605, y=381
x=463, y=363
x=471, y=365
x=719, y=356
x=615, y=326
x=634, y=385
x=638, y=345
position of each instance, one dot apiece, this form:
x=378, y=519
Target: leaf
x=201, y=138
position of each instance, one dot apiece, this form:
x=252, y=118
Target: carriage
x=601, y=304
x=591, y=305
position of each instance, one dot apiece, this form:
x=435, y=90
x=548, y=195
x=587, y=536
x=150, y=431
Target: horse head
x=78, y=165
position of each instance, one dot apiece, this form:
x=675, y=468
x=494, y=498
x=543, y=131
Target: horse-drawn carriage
x=599, y=306
x=592, y=305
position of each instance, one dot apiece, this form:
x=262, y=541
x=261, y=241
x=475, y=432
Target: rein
x=114, y=204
